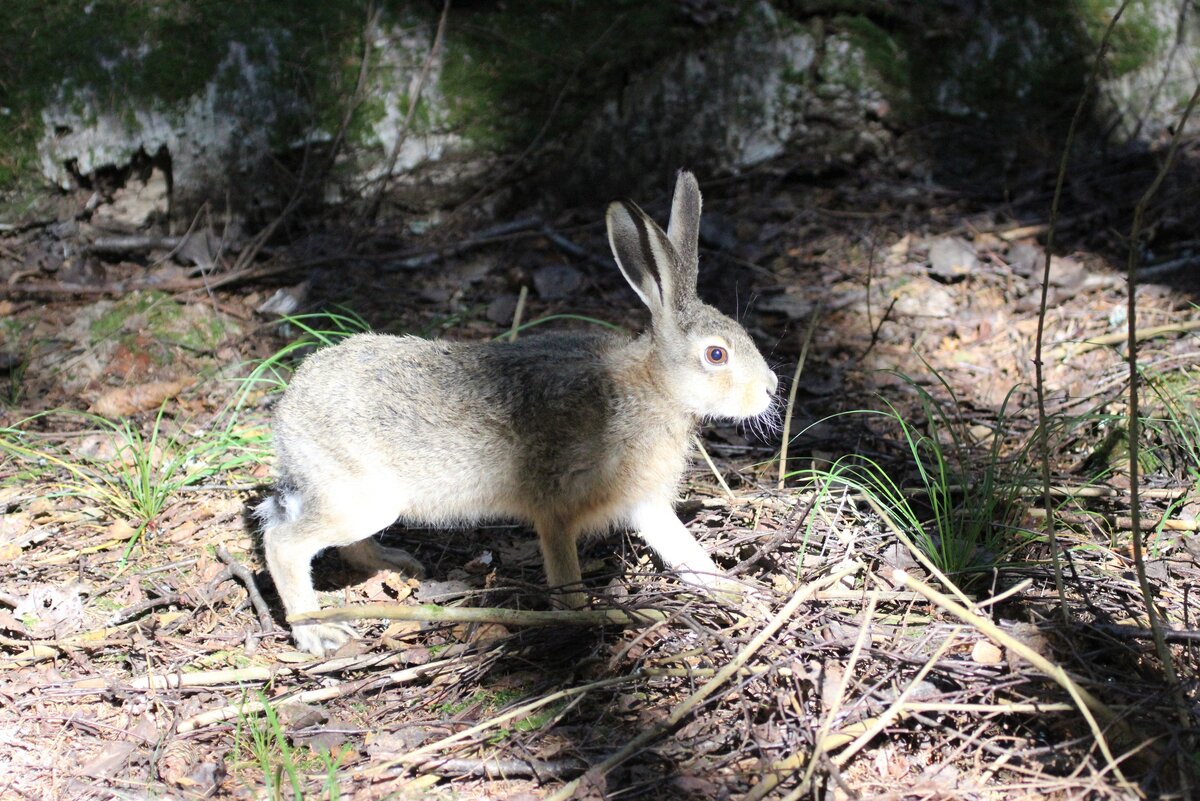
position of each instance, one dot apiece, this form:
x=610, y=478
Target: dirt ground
x=137, y=658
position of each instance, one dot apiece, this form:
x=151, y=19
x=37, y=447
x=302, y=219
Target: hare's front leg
x=656, y=523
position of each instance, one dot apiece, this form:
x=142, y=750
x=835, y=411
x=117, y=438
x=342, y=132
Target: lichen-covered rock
x=771, y=85
x=234, y=102
x=1155, y=68
x=1023, y=64
x=210, y=139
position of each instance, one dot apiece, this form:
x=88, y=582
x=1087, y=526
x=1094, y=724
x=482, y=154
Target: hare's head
x=711, y=365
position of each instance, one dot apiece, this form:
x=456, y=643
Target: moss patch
x=158, y=53
x=155, y=325
x=537, y=65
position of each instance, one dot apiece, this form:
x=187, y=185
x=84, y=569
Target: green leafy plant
x=268, y=747
x=263, y=742
x=962, y=509
x=1175, y=420
x=142, y=473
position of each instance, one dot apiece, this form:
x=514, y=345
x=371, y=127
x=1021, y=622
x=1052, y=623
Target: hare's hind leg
x=299, y=530
x=372, y=555
x=560, y=554
x=290, y=548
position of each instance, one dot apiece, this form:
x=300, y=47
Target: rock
x=1066, y=273
x=929, y=301
x=137, y=204
x=984, y=652
x=1025, y=259
x=500, y=311
x=286, y=300
x=952, y=257
x=556, y=281
x=770, y=85
x=787, y=304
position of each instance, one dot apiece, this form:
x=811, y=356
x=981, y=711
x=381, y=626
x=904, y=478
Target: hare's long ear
x=645, y=255
x=684, y=228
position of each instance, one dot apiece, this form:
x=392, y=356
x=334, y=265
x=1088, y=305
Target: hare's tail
x=281, y=506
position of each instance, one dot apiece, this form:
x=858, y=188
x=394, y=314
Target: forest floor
x=137, y=380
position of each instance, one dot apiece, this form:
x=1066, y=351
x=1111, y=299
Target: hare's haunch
x=570, y=433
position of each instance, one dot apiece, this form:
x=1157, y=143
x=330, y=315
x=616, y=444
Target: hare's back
x=537, y=397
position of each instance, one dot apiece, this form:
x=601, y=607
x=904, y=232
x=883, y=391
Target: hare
x=572, y=433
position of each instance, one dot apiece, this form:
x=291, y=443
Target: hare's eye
x=715, y=354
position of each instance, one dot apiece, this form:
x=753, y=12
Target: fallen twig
x=500, y=767
x=243, y=574
x=137, y=610
x=1122, y=337
x=339, y=690
x=41, y=288
x=1123, y=522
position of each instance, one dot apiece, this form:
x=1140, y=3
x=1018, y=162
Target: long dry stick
x=434, y=613
x=730, y=670
x=1043, y=434
x=1135, y=523
x=323, y=694
x=1120, y=337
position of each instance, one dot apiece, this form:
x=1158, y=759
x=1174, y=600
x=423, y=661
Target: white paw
x=321, y=639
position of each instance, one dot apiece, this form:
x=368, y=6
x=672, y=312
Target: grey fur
x=572, y=433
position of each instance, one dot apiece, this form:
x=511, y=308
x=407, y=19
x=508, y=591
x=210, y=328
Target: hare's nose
x=773, y=383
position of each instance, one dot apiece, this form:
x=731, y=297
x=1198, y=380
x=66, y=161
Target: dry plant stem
x=1135, y=233
x=210, y=678
x=512, y=714
x=339, y=690
x=1059, y=491
x=414, y=99
x=730, y=670
x=1093, y=710
x=989, y=709
x=433, y=613
x=518, y=313
x=712, y=466
x=1043, y=427
x=869, y=729
x=917, y=552
x=864, y=635
x=506, y=768
x=791, y=401
x=1140, y=336
x=243, y=574
x=1124, y=523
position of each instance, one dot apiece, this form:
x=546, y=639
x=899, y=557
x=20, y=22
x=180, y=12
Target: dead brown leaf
x=125, y=401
